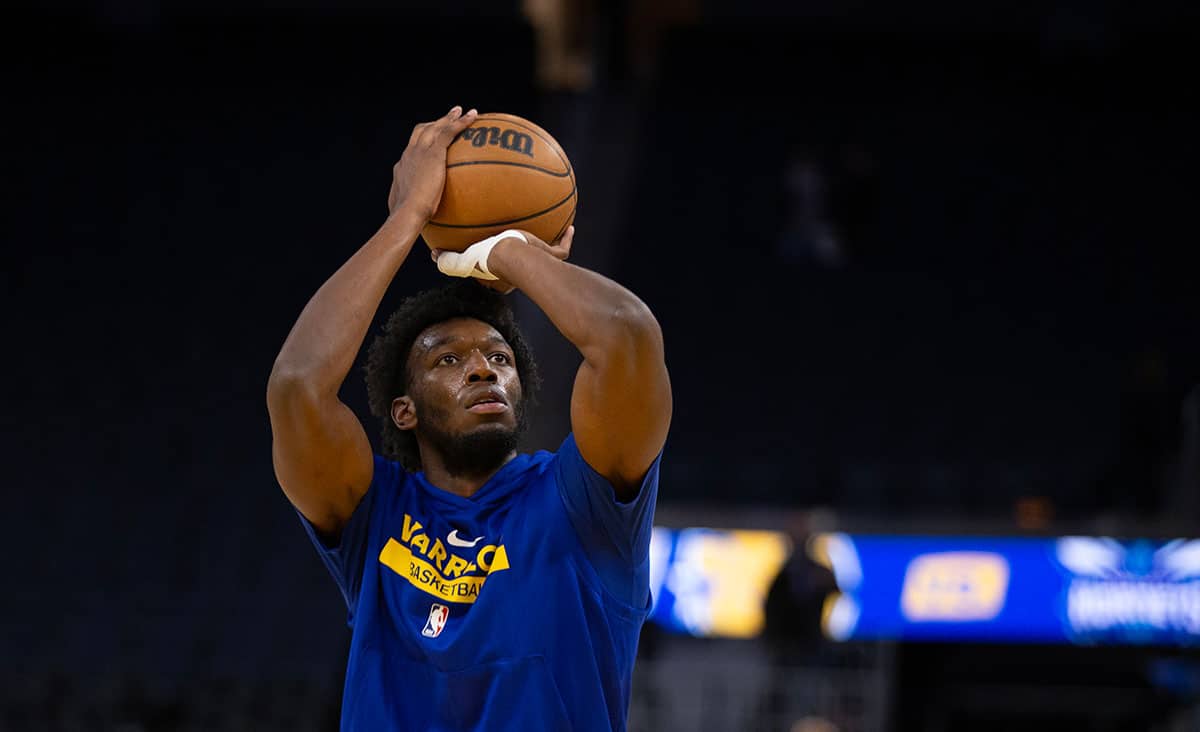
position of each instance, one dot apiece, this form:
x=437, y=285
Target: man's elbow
x=624, y=332
x=287, y=384
x=633, y=320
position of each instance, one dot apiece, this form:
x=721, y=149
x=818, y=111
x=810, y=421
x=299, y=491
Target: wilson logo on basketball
x=495, y=136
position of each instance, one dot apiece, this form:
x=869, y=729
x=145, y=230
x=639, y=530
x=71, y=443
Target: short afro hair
x=387, y=360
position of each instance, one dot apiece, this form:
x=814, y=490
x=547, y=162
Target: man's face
x=466, y=393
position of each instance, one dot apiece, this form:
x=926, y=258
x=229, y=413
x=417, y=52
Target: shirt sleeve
x=345, y=558
x=615, y=535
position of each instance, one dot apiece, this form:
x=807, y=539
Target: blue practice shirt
x=518, y=608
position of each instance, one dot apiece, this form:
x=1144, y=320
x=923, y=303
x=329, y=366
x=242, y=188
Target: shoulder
x=568, y=463
x=389, y=483
x=388, y=473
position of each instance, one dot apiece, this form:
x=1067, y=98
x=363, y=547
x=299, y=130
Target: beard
x=478, y=452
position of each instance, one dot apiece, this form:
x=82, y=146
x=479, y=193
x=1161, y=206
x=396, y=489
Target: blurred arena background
x=926, y=273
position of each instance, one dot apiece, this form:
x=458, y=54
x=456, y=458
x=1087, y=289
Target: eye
x=447, y=360
x=500, y=358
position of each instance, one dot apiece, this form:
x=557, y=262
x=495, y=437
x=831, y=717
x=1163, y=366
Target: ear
x=404, y=413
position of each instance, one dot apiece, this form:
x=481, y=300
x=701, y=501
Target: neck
x=460, y=484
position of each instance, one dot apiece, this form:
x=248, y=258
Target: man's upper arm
x=615, y=535
x=621, y=405
x=321, y=453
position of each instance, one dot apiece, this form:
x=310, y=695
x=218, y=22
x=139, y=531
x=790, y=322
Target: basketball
x=502, y=172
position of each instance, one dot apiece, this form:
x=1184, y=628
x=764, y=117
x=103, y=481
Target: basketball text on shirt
x=431, y=567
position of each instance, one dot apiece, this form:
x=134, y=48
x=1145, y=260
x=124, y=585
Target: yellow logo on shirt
x=432, y=568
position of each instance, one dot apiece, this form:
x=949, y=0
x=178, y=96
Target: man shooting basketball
x=487, y=590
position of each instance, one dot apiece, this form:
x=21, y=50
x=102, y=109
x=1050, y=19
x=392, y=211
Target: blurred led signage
x=710, y=582
x=1073, y=589
x=954, y=587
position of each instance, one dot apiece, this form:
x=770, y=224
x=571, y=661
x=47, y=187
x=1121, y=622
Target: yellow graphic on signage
x=954, y=587
x=738, y=567
x=432, y=568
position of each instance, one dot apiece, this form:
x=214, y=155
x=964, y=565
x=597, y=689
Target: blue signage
x=713, y=582
x=1073, y=589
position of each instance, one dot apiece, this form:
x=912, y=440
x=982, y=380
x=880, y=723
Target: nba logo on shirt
x=437, y=621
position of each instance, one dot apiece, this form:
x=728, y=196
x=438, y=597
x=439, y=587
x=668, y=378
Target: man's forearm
x=322, y=345
x=621, y=400
x=590, y=310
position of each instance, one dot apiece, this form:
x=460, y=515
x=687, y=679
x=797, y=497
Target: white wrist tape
x=472, y=262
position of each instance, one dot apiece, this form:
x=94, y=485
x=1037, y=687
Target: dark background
x=926, y=267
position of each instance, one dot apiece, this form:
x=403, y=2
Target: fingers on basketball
x=564, y=242
x=423, y=129
x=455, y=124
x=416, y=133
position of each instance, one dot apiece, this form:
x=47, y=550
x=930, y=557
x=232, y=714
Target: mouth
x=488, y=403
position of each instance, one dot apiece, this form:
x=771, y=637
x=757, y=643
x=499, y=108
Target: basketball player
x=487, y=590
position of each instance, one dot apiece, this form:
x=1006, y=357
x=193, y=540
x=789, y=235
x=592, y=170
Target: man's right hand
x=418, y=179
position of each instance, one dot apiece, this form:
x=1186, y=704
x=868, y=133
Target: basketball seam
x=509, y=221
x=554, y=146
x=514, y=164
x=563, y=228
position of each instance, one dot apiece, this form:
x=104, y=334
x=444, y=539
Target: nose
x=479, y=369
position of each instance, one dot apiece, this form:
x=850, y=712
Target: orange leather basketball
x=503, y=172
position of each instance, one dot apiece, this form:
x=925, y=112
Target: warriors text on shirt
x=433, y=568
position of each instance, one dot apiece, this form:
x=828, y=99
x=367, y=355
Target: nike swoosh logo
x=453, y=540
